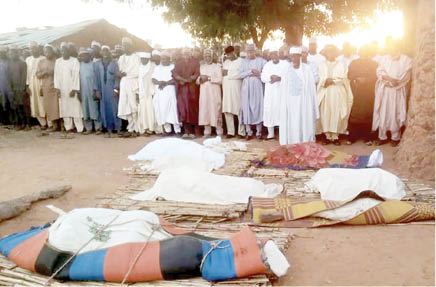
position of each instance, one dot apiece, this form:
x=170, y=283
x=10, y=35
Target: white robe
x=272, y=94
x=298, y=113
x=232, y=84
x=36, y=101
x=127, y=104
x=165, y=101
x=390, y=102
x=317, y=58
x=66, y=79
x=146, y=118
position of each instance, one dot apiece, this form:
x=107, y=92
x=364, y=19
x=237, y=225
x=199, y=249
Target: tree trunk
x=294, y=35
x=416, y=153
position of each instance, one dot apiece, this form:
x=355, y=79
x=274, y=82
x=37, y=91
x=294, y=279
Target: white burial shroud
x=73, y=230
x=192, y=185
x=179, y=148
x=343, y=184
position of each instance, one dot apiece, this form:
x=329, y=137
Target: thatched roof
x=81, y=34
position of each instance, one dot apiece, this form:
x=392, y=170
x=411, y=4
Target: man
x=107, y=82
x=18, y=76
x=146, y=120
x=243, y=55
x=237, y=47
x=313, y=66
x=88, y=87
x=393, y=76
x=164, y=100
x=348, y=54
x=185, y=73
x=210, y=95
x=334, y=97
x=298, y=105
x=34, y=85
x=362, y=76
x=72, y=49
x=314, y=58
x=5, y=88
x=155, y=57
x=67, y=85
x=232, y=92
x=118, y=52
x=96, y=48
x=252, y=92
x=272, y=75
x=128, y=105
x=50, y=99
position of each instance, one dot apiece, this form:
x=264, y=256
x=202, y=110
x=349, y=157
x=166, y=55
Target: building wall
x=416, y=153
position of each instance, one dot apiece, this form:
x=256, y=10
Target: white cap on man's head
x=144, y=55
x=295, y=50
x=95, y=43
x=155, y=53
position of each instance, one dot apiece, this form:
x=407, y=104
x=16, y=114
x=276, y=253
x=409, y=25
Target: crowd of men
x=305, y=94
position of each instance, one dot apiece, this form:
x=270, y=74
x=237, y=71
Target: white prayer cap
x=126, y=40
x=64, y=44
x=312, y=40
x=95, y=43
x=144, y=55
x=237, y=44
x=304, y=49
x=155, y=53
x=166, y=53
x=33, y=44
x=295, y=50
x=83, y=50
x=49, y=46
x=273, y=50
x=250, y=47
x=105, y=47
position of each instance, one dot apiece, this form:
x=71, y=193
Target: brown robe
x=50, y=100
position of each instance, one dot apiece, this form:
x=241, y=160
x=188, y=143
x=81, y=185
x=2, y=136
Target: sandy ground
x=365, y=255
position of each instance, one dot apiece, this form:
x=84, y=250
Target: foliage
x=222, y=21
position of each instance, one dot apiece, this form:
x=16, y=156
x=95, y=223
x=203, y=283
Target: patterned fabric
x=300, y=213
x=310, y=155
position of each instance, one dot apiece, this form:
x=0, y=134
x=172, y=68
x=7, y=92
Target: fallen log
x=14, y=207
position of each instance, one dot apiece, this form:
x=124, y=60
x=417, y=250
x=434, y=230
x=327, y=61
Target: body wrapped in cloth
x=126, y=252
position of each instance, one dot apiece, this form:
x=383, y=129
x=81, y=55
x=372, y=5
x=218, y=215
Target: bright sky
x=146, y=23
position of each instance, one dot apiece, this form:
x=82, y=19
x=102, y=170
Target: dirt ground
x=93, y=165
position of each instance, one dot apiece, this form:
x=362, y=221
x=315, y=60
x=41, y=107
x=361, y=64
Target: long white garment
x=317, y=58
x=165, y=100
x=72, y=230
x=174, y=147
x=390, y=102
x=66, y=79
x=146, y=118
x=344, y=184
x=192, y=185
x=272, y=94
x=298, y=106
x=232, y=87
x=36, y=101
x=127, y=104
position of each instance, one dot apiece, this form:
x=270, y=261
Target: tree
x=234, y=20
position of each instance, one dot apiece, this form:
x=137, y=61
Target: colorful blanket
x=291, y=213
x=183, y=256
x=310, y=155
